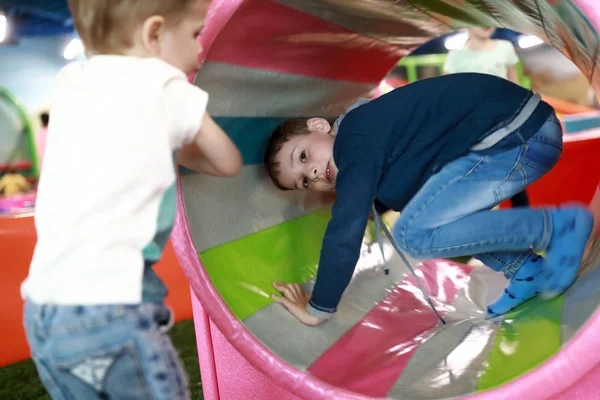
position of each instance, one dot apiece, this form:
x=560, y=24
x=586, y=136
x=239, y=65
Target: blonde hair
x=107, y=26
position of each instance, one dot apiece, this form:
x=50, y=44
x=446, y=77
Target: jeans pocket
x=99, y=372
x=128, y=376
x=541, y=156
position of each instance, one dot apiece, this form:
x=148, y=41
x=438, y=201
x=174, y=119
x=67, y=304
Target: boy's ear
x=319, y=125
x=152, y=30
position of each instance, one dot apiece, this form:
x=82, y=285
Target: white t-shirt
x=496, y=61
x=106, y=197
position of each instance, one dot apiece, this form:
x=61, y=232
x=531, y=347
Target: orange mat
x=574, y=178
x=17, y=240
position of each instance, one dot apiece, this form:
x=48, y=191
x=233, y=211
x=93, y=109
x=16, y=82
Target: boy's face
x=481, y=33
x=306, y=161
x=180, y=45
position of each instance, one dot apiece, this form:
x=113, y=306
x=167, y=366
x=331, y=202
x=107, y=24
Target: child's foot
x=571, y=229
x=524, y=285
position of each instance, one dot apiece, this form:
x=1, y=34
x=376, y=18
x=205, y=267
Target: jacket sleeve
x=361, y=166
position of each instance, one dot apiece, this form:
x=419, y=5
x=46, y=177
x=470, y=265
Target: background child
x=95, y=315
x=443, y=151
x=12, y=183
x=485, y=55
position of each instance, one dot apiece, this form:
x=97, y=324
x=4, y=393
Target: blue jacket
x=386, y=150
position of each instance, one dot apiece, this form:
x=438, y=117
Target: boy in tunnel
x=443, y=151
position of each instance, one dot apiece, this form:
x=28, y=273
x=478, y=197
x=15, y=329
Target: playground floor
x=19, y=381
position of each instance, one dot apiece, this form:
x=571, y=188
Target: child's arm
x=512, y=75
x=357, y=181
x=202, y=145
x=212, y=152
x=511, y=62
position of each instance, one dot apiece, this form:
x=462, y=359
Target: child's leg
x=105, y=352
x=525, y=271
x=571, y=230
x=449, y=216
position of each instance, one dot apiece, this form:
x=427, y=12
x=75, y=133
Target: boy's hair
x=106, y=26
x=285, y=131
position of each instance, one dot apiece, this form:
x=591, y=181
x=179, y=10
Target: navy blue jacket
x=386, y=150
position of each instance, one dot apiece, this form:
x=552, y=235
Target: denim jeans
x=105, y=352
x=451, y=214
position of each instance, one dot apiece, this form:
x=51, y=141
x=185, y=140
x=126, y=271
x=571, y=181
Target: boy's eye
x=305, y=183
x=303, y=156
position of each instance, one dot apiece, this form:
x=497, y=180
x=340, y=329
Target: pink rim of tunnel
x=554, y=376
x=255, y=352
x=206, y=355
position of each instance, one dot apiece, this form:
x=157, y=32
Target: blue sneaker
x=572, y=227
x=524, y=285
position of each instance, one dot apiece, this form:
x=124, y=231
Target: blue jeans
x=451, y=214
x=105, y=352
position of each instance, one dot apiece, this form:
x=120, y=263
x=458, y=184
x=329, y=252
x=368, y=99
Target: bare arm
x=212, y=152
x=512, y=75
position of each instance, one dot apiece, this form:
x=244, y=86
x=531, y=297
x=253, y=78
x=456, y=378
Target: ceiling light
x=456, y=41
x=73, y=49
x=527, y=41
x=3, y=28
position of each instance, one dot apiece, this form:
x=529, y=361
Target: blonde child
x=95, y=315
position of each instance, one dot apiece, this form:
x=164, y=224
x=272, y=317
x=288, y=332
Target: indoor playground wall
x=29, y=69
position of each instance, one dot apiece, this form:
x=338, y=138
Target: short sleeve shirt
x=495, y=62
x=107, y=193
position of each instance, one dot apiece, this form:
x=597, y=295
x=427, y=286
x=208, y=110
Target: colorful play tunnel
x=270, y=60
x=17, y=142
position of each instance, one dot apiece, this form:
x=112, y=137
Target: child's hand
x=212, y=153
x=295, y=300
